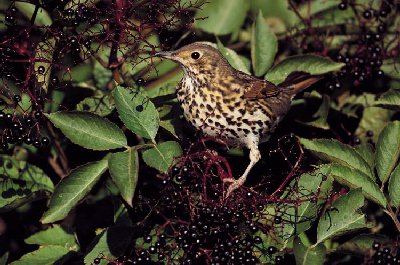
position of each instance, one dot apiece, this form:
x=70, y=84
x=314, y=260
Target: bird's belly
x=234, y=126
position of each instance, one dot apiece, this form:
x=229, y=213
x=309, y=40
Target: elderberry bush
x=99, y=166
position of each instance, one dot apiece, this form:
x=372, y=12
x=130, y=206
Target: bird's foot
x=235, y=184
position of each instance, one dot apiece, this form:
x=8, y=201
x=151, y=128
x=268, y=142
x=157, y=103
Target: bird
x=228, y=104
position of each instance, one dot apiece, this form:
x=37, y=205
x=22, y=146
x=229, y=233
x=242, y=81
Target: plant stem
x=393, y=215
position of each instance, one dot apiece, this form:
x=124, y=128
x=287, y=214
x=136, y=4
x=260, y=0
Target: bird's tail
x=298, y=81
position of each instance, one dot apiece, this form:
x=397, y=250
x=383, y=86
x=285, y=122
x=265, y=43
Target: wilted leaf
x=387, y=150
x=334, y=151
x=162, y=155
x=222, y=16
x=394, y=187
x=124, y=169
x=88, y=130
x=137, y=112
x=72, y=189
x=342, y=217
x=264, y=46
x=311, y=64
x=308, y=255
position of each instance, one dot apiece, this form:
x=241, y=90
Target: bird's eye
x=195, y=55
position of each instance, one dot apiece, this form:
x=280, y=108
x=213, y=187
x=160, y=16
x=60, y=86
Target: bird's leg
x=255, y=156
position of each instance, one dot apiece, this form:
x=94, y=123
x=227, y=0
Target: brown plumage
x=223, y=102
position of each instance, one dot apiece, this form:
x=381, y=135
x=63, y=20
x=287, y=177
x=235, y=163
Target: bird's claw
x=235, y=184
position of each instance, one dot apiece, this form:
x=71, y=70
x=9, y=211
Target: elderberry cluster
x=384, y=255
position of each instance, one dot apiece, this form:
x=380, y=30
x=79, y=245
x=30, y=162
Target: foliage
x=99, y=166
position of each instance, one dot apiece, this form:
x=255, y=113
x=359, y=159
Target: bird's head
x=197, y=58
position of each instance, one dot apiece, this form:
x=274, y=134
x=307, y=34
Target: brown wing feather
x=260, y=89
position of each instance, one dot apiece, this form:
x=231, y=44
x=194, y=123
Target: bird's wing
x=257, y=88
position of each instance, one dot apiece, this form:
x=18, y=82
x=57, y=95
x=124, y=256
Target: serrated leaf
x=171, y=126
x=312, y=64
x=98, y=104
x=47, y=255
x=233, y=58
x=394, y=187
x=124, y=169
x=389, y=100
x=373, y=119
x=387, y=150
x=391, y=68
x=264, y=46
x=301, y=216
x=334, y=151
x=162, y=155
x=137, y=112
x=27, y=9
x=321, y=116
x=367, y=152
x=54, y=236
x=308, y=255
x=111, y=242
x=72, y=189
x=44, y=58
x=21, y=182
x=221, y=17
x=354, y=179
x=361, y=244
x=3, y=259
x=342, y=217
x=88, y=130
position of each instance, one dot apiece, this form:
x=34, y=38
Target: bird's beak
x=167, y=55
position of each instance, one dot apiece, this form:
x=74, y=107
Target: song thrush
x=223, y=102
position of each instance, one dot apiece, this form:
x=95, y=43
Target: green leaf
x=124, y=169
x=3, y=259
x=373, y=119
x=54, y=236
x=221, y=17
x=162, y=155
x=308, y=255
x=275, y=11
x=334, y=151
x=44, y=58
x=354, y=179
x=394, y=187
x=389, y=100
x=98, y=104
x=301, y=216
x=367, y=152
x=111, y=242
x=173, y=126
x=321, y=116
x=21, y=182
x=312, y=64
x=387, y=150
x=101, y=75
x=137, y=112
x=27, y=9
x=233, y=58
x=361, y=244
x=88, y=130
x=391, y=68
x=264, y=46
x=47, y=255
x=72, y=189
x=342, y=217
